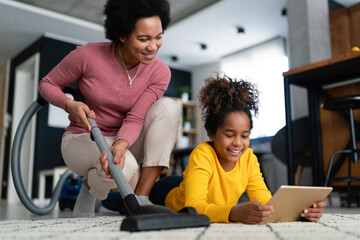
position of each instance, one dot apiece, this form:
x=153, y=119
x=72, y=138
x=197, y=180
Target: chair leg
x=349, y=183
x=354, y=155
x=331, y=162
x=353, y=135
x=330, y=200
x=298, y=174
x=347, y=151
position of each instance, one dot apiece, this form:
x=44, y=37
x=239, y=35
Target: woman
x=122, y=82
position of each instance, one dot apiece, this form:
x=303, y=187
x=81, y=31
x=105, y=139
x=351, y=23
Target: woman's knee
x=168, y=109
x=79, y=152
x=131, y=166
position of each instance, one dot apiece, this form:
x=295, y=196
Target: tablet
x=289, y=201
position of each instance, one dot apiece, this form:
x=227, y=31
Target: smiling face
x=143, y=43
x=232, y=139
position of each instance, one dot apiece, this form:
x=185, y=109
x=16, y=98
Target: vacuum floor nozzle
x=159, y=221
x=156, y=217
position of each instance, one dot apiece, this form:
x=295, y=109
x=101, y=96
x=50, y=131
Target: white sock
x=144, y=200
x=85, y=204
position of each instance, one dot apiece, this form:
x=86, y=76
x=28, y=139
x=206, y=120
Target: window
x=263, y=65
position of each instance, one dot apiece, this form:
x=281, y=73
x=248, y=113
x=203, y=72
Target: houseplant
x=184, y=92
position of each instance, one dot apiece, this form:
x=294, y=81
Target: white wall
x=57, y=117
x=198, y=75
x=262, y=65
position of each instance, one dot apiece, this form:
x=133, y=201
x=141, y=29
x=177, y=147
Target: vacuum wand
x=144, y=218
x=119, y=178
x=115, y=170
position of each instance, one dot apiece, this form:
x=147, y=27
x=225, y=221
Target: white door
x=25, y=93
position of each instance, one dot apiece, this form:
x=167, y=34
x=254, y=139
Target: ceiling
x=92, y=10
x=194, y=22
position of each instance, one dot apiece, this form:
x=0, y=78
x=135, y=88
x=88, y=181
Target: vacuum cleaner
x=69, y=193
x=140, y=218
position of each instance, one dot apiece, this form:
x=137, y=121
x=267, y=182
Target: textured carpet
x=331, y=226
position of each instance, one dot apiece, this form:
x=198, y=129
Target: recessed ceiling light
x=203, y=46
x=240, y=30
x=174, y=58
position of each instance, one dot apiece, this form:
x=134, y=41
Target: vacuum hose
x=131, y=202
x=16, y=166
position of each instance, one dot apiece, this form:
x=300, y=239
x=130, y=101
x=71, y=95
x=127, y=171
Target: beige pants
x=152, y=148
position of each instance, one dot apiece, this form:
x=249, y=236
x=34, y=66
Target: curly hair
x=223, y=95
x=122, y=15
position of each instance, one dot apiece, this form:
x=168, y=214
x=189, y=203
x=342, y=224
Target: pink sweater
x=120, y=109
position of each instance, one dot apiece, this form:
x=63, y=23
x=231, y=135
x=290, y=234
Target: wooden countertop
x=339, y=68
x=323, y=63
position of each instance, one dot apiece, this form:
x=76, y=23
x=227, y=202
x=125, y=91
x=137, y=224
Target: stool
x=55, y=173
x=345, y=103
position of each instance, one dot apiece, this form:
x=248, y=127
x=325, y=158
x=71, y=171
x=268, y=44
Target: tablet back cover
x=289, y=201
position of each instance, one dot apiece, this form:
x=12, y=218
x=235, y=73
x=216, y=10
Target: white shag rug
x=331, y=226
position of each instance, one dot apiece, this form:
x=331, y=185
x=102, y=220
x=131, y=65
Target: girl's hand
x=118, y=150
x=251, y=213
x=314, y=213
x=79, y=111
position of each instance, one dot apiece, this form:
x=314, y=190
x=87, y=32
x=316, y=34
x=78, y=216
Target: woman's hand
x=118, y=150
x=251, y=213
x=314, y=213
x=80, y=111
